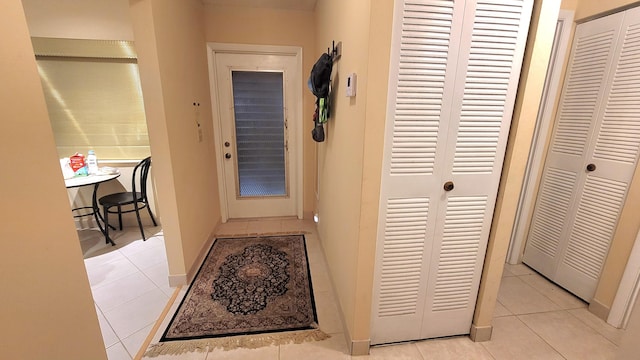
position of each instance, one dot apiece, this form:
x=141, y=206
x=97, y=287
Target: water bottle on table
x=92, y=163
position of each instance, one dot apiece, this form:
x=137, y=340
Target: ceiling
x=305, y=5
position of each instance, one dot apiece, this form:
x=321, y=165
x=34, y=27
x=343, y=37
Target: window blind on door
x=259, y=125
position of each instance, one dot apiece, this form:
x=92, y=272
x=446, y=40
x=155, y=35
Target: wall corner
x=599, y=309
x=357, y=347
x=481, y=333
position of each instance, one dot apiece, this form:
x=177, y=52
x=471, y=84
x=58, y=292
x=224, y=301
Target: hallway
x=534, y=319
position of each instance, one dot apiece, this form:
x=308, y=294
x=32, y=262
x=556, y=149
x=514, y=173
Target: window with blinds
x=258, y=102
x=93, y=95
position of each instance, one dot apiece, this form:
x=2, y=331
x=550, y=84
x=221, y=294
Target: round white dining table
x=94, y=180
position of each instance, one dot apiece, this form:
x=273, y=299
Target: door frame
x=295, y=146
x=544, y=120
x=627, y=290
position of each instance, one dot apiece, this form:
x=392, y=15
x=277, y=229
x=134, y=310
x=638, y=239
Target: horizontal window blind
x=94, y=99
x=258, y=100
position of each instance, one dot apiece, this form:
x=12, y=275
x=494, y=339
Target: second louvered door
x=453, y=78
x=592, y=156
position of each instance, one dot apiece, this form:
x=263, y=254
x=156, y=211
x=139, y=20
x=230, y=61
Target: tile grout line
x=540, y=292
x=487, y=350
x=537, y=334
x=156, y=287
x=110, y=327
x=560, y=307
x=138, y=270
x=592, y=328
x=124, y=304
x=157, y=323
x=566, y=310
x=112, y=330
x=549, y=298
x=517, y=316
x=134, y=299
x=545, y=295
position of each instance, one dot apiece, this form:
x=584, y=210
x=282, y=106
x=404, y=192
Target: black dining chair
x=137, y=198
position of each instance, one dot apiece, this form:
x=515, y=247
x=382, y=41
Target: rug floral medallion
x=247, y=286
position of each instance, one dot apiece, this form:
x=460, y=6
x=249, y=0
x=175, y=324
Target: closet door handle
x=227, y=156
x=591, y=167
x=448, y=186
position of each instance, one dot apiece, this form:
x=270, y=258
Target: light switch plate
x=352, y=80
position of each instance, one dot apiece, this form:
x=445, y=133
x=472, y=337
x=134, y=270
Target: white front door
x=257, y=98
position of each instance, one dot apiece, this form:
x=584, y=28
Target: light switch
x=351, y=84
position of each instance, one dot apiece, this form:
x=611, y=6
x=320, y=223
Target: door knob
x=448, y=186
x=591, y=167
x=227, y=156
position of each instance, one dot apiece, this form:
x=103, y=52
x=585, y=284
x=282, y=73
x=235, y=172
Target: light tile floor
x=129, y=283
x=533, y=319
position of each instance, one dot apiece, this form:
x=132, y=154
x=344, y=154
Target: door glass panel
x=259, y=124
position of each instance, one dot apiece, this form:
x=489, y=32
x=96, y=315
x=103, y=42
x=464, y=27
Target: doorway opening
x=257, y=106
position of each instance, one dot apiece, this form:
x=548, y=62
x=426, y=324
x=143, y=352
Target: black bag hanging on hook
x=320, y=85
x=321, y=76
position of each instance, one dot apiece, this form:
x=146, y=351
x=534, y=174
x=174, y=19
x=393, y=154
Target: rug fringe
x=235, y=342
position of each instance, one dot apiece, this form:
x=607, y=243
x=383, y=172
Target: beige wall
x=629, y=346
x=569, y=4
x=85, y=19
x=340, y=155
x=534, y=68
x=374, y=127
x=47, y=310
x=350, y=159
x=261, y=26
x=170, y=40
x=586, y=9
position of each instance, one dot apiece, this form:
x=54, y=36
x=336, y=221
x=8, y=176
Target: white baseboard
x=202, y=254
x=177, y=280
x=481, y=333
x=356, y=347
x=184, y=279
x=359, y=347
x=598, y=309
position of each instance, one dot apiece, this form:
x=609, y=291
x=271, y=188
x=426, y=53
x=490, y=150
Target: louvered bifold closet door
x=589, y=64
x=492, y=47
x=422, y=72
x=451, y=91
x=614, y=152
x=577, y=209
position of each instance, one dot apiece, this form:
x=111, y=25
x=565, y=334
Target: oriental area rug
x=249, y=292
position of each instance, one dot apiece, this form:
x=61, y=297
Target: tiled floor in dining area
x=534, y=319
x=129, y=285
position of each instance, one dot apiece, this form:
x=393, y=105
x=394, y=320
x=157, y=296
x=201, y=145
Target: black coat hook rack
x=335, y=51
